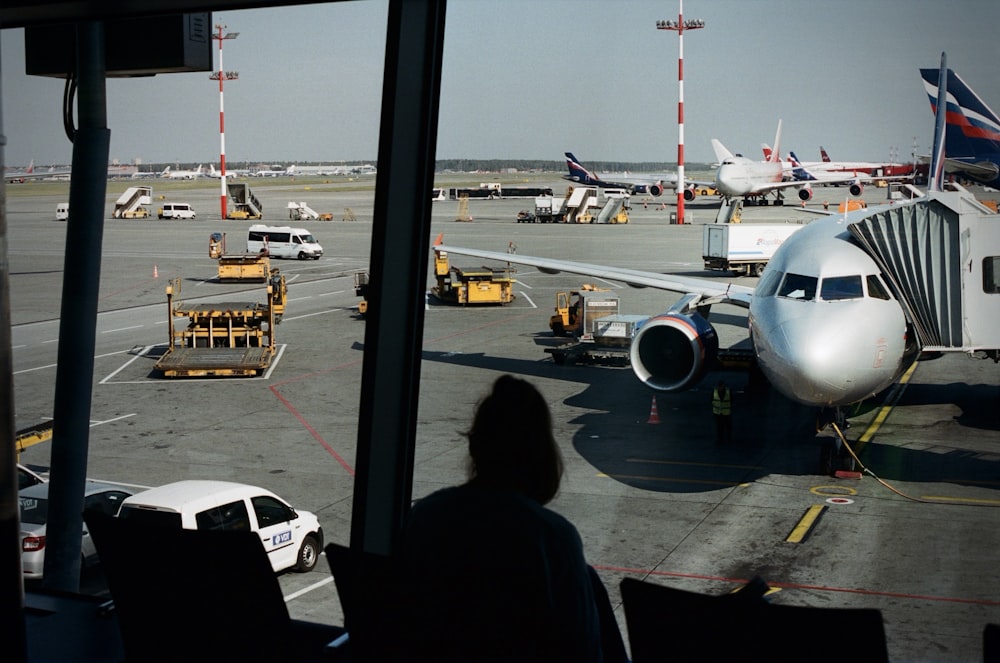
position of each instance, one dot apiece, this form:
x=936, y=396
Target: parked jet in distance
x=740, y=177
x=873, y=168
x=812, y=175
x=830, y=322
x=31, y=173
x=182, y=174
x=972, y=130
x=649, y=183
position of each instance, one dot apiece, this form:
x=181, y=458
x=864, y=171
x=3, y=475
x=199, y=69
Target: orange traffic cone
x=654, y=416
x=156, y=272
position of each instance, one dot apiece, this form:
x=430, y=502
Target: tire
x=302, y=255
x=308, y=555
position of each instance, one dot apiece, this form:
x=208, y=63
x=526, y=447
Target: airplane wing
x=699, y=292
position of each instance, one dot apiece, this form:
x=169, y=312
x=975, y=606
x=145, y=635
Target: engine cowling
x=856, y=188
x=672, y=351
x=690, y=194
x=805, y=193
x=655, y=189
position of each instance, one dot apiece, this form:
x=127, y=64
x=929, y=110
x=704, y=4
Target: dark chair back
x=666, y=624
x=188, y=595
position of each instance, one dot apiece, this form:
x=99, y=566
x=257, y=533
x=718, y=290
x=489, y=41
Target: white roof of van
x=194, y=495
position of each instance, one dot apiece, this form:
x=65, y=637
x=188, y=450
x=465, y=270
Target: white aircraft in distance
x=182, y=174
x=873, y=168
x=833, y=320
x=740, y=177
x=653, y=184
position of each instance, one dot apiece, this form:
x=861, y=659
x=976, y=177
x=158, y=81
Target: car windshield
x=34, y=510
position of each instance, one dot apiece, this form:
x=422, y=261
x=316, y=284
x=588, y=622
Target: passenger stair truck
x=580, y=201
x=131, y=204
x=743, y=248
x=233, y=267
x=229, y=339
x=301, y=212
x=602, y=335
x=245, y=204
x=615, y=210
x=471, y=285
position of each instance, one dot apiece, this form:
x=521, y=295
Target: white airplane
x=30, y=173
x=653, y=184
x=740, y=177
x=830, y=324
x=182, y=174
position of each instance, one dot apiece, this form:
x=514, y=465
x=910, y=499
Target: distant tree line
x=463, y=165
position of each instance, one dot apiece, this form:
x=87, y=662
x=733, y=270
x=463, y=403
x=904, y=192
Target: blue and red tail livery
x=971, y=132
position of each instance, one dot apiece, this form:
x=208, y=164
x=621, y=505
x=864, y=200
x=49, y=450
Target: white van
x=176, y=211
x=62, y=211
x=291, y=538
x=283, y=242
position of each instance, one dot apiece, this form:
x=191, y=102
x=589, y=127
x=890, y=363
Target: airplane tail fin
x=970, y=128
x=721, y=153
x=940, y=105
x=577, y=172
x=31, y=166
x=824, y=157
x=767, y=151
x=777, y=145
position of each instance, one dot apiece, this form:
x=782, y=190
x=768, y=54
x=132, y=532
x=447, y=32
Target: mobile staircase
x=245, y=204
x=130, y=205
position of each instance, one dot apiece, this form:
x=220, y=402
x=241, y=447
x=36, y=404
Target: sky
x=532, y=79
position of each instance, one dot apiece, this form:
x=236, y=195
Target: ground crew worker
x=722, y=410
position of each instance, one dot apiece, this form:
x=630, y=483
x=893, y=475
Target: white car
x=292, y=539
x=34, y=502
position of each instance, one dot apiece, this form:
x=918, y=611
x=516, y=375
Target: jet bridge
x=943, y=258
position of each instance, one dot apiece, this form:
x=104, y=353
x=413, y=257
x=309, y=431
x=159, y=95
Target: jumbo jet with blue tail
x=653, y=184
x=831, y=321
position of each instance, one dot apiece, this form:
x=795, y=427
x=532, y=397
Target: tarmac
x=912, y=531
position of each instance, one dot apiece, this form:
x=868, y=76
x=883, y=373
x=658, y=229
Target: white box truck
x=743, y=248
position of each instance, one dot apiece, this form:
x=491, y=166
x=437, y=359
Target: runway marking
x=310, y=315
x=640, y=477
x=806, y=524
x=961, y=500
x=530, y=301
x=112, y=331
x=692, y=463
x=792, y=585
x=310, y=588
x=833, y=491
x=885, y=410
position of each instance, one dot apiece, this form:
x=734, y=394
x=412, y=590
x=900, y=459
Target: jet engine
x=856, y=188
x=805, y=193
x=671, y=351
x=690, y=194
x=655, y=189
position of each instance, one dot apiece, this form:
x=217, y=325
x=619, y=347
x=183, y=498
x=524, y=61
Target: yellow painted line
x=801, y=531
x=960, y=500
x=690, y=463
x=639, y=477
x=832, y=491
x=883, y=414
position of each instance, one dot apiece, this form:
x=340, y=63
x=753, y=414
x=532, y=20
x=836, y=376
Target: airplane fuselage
x=825, y=327
x=740, y=176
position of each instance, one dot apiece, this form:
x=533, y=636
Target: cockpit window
x=876, y=289
x=797, y=286
x=842, y=287
x=768, y=283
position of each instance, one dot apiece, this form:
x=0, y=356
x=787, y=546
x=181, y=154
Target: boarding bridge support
x=730, y=211
x=130, y=204
x=245, y=203
x=943, y=258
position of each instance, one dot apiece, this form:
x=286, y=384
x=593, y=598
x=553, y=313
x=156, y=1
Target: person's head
x=511, y=443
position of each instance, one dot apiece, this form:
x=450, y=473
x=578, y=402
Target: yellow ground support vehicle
x=471, y=285
x=238, y=266
x=577, y=309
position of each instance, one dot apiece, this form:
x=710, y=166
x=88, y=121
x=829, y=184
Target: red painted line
x=792, y=585
x=312, y=431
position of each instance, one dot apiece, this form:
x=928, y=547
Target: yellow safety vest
x=722, y=404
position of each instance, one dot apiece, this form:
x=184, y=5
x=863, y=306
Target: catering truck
x=743, y=248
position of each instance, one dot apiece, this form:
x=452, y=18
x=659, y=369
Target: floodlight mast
x=222, y=75
x=679, y=27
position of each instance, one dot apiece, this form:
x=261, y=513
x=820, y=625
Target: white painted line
x=310, y=588
x=120, y=329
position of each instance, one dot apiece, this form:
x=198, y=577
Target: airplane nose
x=817, y=365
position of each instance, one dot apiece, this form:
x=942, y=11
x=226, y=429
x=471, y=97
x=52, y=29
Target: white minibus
x=283, y=242
x=176, y=211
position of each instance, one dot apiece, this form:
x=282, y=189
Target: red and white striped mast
x=679, y=27
x=222, y=75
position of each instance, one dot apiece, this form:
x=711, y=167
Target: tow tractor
x=471, y=285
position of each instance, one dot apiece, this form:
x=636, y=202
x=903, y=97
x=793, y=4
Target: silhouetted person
x=722, y=410
x=494, y=575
